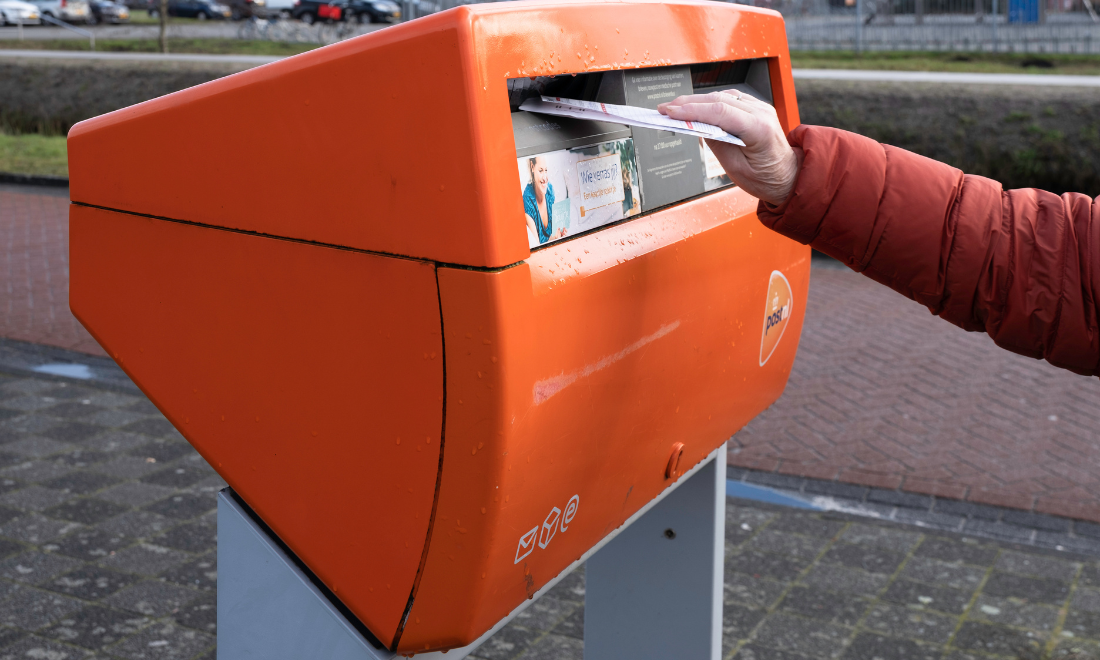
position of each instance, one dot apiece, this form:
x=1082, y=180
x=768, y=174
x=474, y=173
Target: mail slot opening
x=578, y=175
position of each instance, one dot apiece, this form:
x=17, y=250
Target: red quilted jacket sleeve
x=1021, y=265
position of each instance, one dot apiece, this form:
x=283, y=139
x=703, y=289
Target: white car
x=14, y=12
x=70, y=11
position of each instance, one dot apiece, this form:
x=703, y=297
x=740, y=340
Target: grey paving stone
x=81, y=457
x=137, y=524
x=928, y=596
x=82, y=482
x=1012, y=612
x=7, y=514
x=29, y=403
x=34, y=498
x=901, y=621
x=897, y=540
x=35, y=470
x=1083, y=624
x=573, y=625
x=929, y=520
x=35, y=567
x=1090, y=575
x=1086, y=529
x=956, y=576
x=90, y=582
x=1076, y=649
x=870, y=646
x=184, y=506
x=1086, y=599
x=780, y=542
x=67, y=391
x=746, y=519
x=164, y=451
x=155, y=427
x=835, y=489
x=113, y=442
x=91, y=544
x=1035, y=590
x=832, y=577
x=900, y=499
x=507, y=644
x=154, y=598
x=865, y=557
x=840, y=608
x=998, y=530
x=758, y=652
x=9, y=636
x=1037, y=565
x=193, y=537
x=26, y=424
x=545, y=613
x=967, y=509
x=555, y=647
x=37, y=529
x=1035, y=520
x=766, y=564
x=201, y=573
x=134, y=493
x=146, y=559
x=37, y=648
x=956, y=550
x=128, y=467
x=775, y=480
x=72, y=431
x=37, y=447
x=999, y=640
x=72, y=409
x=95, y=627
x=571, y=587
x=31, y=609
x=87, y=510
x=202, y=614
x=740, y=589
x=109, y=399
x=164, y=641
x=813, y=524
x=113, y=418
x=143, y=406
x=178, y=476
x=815, y=639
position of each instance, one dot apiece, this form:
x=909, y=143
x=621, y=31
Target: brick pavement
x=884, y=394
x=108, y=551
x=34, y=272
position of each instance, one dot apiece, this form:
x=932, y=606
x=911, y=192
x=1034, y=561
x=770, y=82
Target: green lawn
x=34, y=154
x=961, y=62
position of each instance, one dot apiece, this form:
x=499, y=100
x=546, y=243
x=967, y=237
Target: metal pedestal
x=654, y=589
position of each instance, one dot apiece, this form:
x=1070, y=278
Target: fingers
x=728, y=116
x=732, y=97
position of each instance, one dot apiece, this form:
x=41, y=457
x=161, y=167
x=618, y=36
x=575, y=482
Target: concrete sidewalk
x=108, y=551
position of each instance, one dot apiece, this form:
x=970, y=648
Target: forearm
x=1019, y=265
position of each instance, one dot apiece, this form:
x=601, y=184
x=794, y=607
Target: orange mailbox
x=326, y=273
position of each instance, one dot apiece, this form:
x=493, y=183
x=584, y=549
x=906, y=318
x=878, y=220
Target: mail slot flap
x=537, y=133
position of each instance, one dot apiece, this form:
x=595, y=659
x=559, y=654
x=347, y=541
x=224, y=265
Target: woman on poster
x=538, y=201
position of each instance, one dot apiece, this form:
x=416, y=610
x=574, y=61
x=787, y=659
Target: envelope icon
x=526, y=544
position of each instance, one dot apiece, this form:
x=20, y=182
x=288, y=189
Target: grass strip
x=1037, y=63
x=31, y=153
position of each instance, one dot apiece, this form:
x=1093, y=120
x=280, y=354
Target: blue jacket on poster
x=531, y=208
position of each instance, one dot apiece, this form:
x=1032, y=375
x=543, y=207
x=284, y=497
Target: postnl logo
x=777, y=311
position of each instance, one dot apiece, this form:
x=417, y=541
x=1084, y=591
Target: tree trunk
x=164, y=26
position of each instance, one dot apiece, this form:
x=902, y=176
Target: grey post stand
x=654, y=588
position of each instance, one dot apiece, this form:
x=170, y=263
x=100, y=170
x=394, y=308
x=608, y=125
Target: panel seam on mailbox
x=277, y=237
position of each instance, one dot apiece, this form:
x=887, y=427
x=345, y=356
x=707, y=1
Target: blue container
x=1023, y=11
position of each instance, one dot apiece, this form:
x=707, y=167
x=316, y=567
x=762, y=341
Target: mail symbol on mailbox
x=549, y=527
x=526, y=544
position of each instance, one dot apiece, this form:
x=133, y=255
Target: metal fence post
x=859, y=26
x=994, y=18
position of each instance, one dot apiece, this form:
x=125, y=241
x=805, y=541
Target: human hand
x=766, y=167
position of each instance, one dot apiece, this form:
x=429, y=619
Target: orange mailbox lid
x=398, y=141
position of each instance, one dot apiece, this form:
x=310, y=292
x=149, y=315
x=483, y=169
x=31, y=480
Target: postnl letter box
x=439, y=346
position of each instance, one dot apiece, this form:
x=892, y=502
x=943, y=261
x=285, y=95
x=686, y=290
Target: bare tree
x=164, y=26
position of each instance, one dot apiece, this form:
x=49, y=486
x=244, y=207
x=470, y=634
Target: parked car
x=311, y=11
x=70, y=11
x=200, y=9
x=106, y=11
x=239, y=9
x=375, y=11
x=16, y=12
